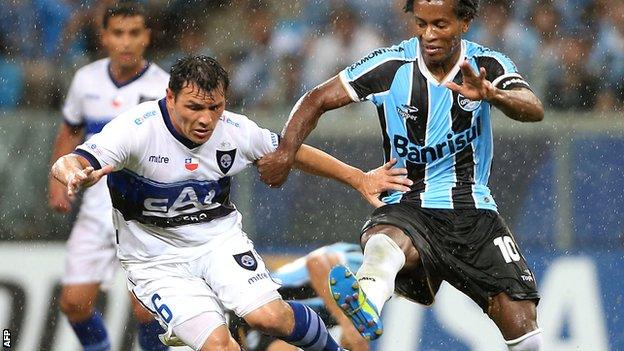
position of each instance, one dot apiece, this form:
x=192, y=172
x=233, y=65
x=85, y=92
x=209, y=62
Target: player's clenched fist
x=274, y=167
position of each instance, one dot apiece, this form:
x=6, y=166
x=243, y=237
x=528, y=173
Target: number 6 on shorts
x=163, y=311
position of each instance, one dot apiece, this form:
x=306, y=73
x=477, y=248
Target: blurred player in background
x=433, y=94
x=305, y=280
x=179, y=237
x=99, y=92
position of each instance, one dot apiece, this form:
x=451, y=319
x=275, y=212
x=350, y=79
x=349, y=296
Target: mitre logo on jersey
x=225, y=159
x=246, y=260
x=467, y=104
x=191, y=164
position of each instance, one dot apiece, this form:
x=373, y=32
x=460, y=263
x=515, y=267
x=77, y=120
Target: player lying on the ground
x=179, y=237
x=305, y=280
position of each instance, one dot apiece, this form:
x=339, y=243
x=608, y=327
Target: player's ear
x=170, y=97
x=465, y=25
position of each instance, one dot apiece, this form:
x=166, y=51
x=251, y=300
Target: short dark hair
x=203, y=71
x=125, y=9
x=464, y=9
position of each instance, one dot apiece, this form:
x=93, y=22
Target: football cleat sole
x=346, y=291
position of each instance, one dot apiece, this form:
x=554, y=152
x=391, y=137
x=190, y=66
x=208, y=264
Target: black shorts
x=473, y=250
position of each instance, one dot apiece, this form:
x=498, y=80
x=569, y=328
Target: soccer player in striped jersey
x=433, y=95
x=179, y=237
x=100, y=91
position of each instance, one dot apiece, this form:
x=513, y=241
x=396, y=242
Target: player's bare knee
x=314, y=262
x=75, y=306
x=273, y=323
x=514, y=318
x=220, y=342
x=275, y=318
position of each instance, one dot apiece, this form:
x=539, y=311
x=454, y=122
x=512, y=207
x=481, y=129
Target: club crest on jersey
x=467, y=104
x=246, y=260
x=191, y=164
x=225, y=159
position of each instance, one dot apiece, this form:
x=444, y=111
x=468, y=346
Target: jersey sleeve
x=501, y=71
x=261, y=141
x=72, y=107
x=373, y=73
x=112, y=146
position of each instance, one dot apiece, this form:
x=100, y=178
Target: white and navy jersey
x=442, y=138
x=171, y=197
x=95, y=98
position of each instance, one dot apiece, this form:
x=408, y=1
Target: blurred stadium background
x=558, y=183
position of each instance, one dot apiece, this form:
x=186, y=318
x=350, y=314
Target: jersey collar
x=452, y=73
x=162, y=103
x=119, y=84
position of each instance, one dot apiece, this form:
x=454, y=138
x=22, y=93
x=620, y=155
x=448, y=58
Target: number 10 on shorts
x=508, y=248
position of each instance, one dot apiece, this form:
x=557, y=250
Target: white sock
x=531, y=341
x=383, y=259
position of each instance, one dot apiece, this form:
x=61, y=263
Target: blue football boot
x=352, y=300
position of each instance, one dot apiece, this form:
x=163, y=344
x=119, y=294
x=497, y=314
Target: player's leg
x=149, y=328
x=220, y=340
x=294, y=323
x=387, y=250
x=90, y=263
x=241, y=281
x=517, y=321
x=76, y=302
x=484, y=261
x=279, y=345
x=183, y=302
x=206, y=332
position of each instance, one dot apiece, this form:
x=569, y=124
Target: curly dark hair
x=464, y=9
x=203, y=71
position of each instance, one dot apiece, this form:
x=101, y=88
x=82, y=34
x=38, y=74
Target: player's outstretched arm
x=519, y=104
x=75, y=172
x=303, y=119
x=369, y=184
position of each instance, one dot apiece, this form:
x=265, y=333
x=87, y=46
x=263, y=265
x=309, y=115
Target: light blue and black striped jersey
x=442, y=138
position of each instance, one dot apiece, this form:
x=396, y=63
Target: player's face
x=196, y=112
x=439, y=30
x=125, y=40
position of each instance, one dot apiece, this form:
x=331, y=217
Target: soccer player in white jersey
x=100, y=91
x=179, y=237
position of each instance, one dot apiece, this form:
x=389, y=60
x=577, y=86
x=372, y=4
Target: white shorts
x=232, y=276
x=91, y=255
